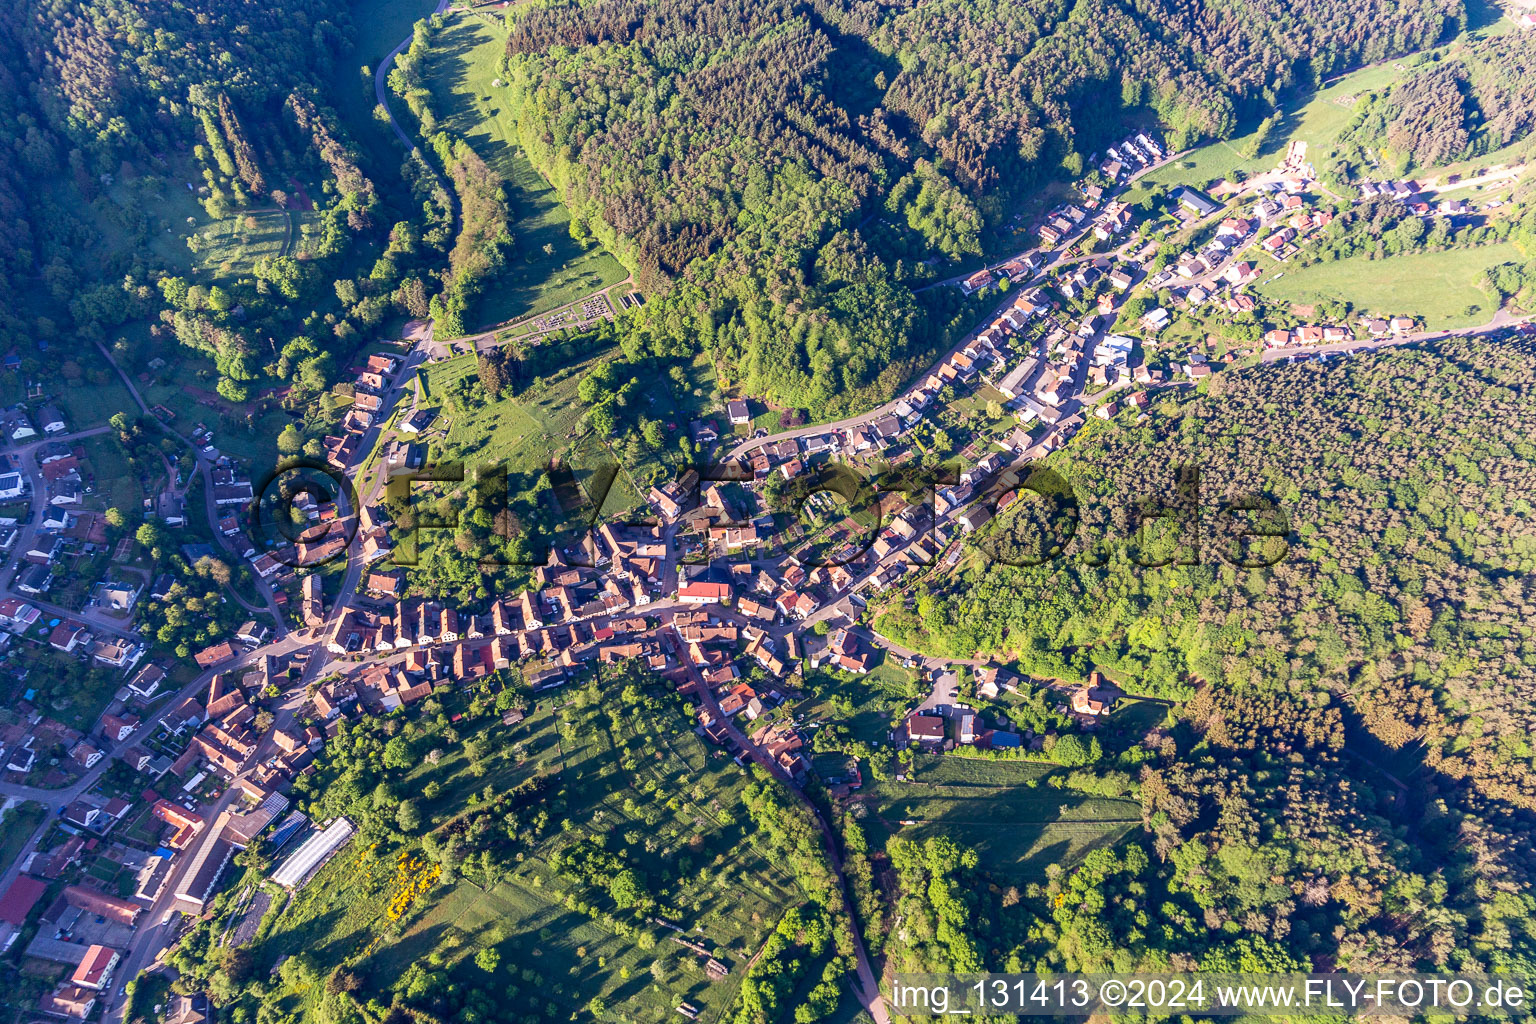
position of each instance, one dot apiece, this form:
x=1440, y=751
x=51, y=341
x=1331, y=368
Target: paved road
x=211, y=508
x=381, y=84
x=56, y=798
x=25, y=458
x=1501, y=319
x=1481, y=179
x=158, y=925
x=160, y=928
x=863, y=418
x=405, y=373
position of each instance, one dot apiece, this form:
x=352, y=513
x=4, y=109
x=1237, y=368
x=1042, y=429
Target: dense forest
x=232, y=102
x=1396, y=610
x=1399, y=478
x=1264, y=849
x=112, y=89
x=787, y=169
x=1478, y=98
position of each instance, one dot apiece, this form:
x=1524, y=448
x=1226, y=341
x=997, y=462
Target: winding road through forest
x=381, y=83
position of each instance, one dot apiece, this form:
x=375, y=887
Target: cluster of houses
x=1107, y=219
x=1288, y=222
x=323, y=539
x=1277, y=223
x=221, y=730
x=1129, y=155
x=19, y=426
x=956, y=725
x=367, y=397
x=1062, y=223
x=34, y=742
x=59, y=466
x=146, y=838
x=1409, y=194
x=154, y=838
x=947, y=726
x=575, y=618
x=63, y=528
x=1067, y=366
x=21, y=618
x=1327, y=334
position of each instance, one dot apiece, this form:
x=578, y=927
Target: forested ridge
x=134, y=101
x=780, y=173
x=786, y=169
x=1405, y=582
x=1475, y=99
x=1404, y=601
x=113, y=74
x=102, y=89
x=985, y=84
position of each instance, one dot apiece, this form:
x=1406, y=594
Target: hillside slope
x=1404, y=582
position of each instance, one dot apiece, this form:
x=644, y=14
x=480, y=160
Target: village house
x=704, y=592
x=927, y=731
x=976, y=282
x=219, y=653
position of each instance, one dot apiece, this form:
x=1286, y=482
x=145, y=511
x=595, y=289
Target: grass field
x=964, y=771
x=72, y=373
x=33, y=665
x=227, y=247
x=1439, y=287
x=462, y=66
x=1018, y=824
x=524, y=433
x=1136, y=717
x=1318, y=121
x=88, y=399
x=867, y=704
x=638, y=773
x=116, y=486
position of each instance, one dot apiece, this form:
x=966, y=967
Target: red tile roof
x=20, y=897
